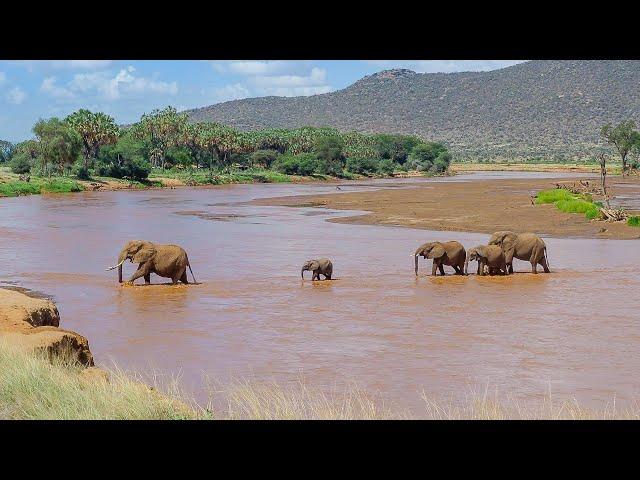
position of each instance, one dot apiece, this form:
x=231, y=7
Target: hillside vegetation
x=549, y=110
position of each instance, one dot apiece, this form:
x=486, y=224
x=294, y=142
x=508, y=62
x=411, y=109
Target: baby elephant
x=490, y=256
x=321, y=266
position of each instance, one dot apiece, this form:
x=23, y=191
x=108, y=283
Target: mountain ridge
x=546, y=109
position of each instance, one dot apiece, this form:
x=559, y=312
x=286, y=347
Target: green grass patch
x=634, y=221
x=15, y=188
x=569, y=202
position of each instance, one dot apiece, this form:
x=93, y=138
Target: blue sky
x=30, y=90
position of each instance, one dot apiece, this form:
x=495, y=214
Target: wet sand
x=480, y=206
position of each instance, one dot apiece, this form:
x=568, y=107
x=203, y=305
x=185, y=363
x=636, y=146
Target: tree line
x=86, y=143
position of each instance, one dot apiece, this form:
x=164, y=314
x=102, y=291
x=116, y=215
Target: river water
x=574, y=333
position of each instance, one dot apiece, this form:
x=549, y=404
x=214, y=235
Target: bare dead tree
x=603, y=172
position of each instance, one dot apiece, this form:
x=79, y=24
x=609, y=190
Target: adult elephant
x=443, y=253
x=523, y=246
x=169, y=261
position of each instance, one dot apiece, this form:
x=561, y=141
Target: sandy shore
x=480, y=206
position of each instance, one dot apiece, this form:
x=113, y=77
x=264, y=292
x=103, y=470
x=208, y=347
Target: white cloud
x=16, y=96
x=315, y=82
x=124, y=83
x=230, y=92
x=256, y=67
x=81, y=64
x=280, y=78
x=446, y=66
x=50, y=87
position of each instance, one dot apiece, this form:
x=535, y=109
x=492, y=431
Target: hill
x=543, y=109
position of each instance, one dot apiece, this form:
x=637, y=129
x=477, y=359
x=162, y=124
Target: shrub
x=263, y=158
x=20, y=163
x=329, y=154
x=386, y=167
x=634, y=221
x=423, y=156
x=441, y=163
x=81, y=171
x=363, y=166
x=301, y=164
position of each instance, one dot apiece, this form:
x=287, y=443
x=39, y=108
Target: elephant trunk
x=120, y=273
x=416, y=263
x=466, y=266
x=302, y=273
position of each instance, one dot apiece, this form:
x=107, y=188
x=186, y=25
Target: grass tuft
x=569, y=202
x=634, y=221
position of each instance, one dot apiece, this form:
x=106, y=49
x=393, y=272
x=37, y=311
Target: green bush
x=302, y=164
x=424, y=155
x=20, y=164
x=386, y=167
x=80, y=171
x=634, y=221
x=569, y=202
x=362, y=166
x=135, y=169
x=329, y=153
x=264, y=158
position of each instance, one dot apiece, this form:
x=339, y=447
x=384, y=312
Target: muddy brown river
x=574, y=333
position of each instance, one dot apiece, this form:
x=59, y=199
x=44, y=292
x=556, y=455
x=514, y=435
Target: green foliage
x=20, y=163
x=329, y=152
x=81, y=171
x=386, y=167
x=95, y=130
x=36, y=186
x=125, y=159
x=362, y=166
x=633, y=221
x=264, y=158
x=395, y=147
x=569, y=202
x=58, y=144
x=6, y=149
x=429, y=157
x=623, y=137
x=302, y=164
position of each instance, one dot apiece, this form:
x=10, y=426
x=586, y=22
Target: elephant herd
x=494, y=258
x=171, y=261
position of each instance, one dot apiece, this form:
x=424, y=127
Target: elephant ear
x=314, y=265
x=145, y=253
x=436, y=252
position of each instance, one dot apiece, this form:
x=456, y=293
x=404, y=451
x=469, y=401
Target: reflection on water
x=574, y=332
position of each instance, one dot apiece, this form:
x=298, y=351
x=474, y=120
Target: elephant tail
x=546, y=257
x=189, y=265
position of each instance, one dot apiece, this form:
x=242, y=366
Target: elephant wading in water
x=169, y=261
x=321, y=266
x=443, y=253
x=523, y=246
x=490, y=256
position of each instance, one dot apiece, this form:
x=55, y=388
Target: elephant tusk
x=115, y=266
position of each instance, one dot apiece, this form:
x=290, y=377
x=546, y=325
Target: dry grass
x=31, y=387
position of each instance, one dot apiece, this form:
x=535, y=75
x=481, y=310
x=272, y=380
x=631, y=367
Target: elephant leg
x=544, y=265
x=434, y=268
x=140, y=272
x=533, y=267
x=147, y=279
x=441, y=268
x=327, y=276
x=183, y=278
